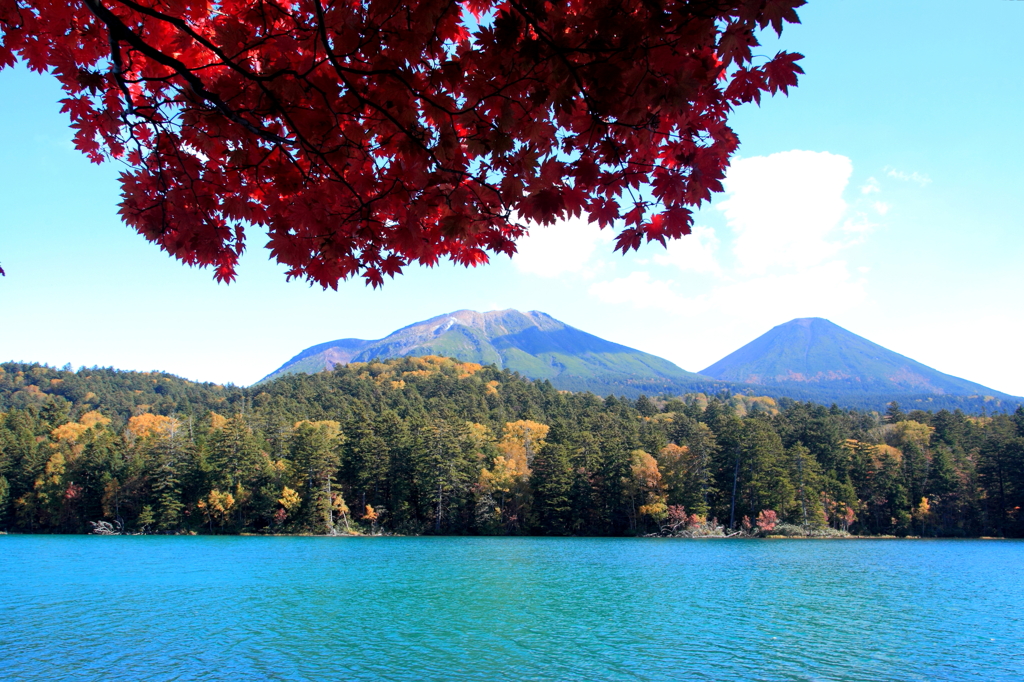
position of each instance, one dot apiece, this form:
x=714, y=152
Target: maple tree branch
x=115, y=57
x=114, y=24
x=226, y=60
x=315, y=150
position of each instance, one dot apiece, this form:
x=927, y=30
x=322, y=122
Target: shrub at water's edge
x=789, y=530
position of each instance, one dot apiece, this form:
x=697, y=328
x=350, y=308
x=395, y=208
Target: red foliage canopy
x=363, y=135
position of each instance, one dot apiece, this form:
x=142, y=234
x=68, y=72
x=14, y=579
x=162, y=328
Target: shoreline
x=624, y=537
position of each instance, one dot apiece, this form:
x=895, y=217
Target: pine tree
x=444, y=469
x=766, y=484
x=314, y=450
x=552, y=484
x=893, y=413
x=645, y=406
x=805, y=474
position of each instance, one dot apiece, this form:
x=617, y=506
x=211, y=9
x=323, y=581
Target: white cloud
x=566, y=246
x=638, y=290
x=694, y=252
x=821, y=290
x=782, y=207
x=916, y=177
x=881, y=207
x=870, y=187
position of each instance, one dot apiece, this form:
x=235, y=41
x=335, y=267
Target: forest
x=431, y=445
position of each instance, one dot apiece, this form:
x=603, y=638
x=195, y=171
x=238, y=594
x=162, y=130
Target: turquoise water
x=228, y=608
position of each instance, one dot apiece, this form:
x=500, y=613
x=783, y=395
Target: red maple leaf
x=629, y=239
x=604, y=212
x=782, y=71
x=776, y=12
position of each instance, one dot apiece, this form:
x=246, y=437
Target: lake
x=296, y=608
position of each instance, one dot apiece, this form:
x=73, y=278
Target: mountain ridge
x=532, y=343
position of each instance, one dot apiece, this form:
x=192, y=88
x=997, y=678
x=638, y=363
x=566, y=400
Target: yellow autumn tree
x=645, y=486
x=68, y=433
x=371, y=515
x=92, y=418
x=673, y=463
x=290, y=499
x=907, y=432
x=885, y=454
x=146, y=424
x=503, y=489
x=502, y=477
x=645, y=471
x=341, y=509
x=72, y=431
x=922, y=513
x=217, y=507
x=521, y=441
x=50, y=487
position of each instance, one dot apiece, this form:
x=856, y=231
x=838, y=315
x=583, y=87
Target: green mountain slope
x=322, y=357
x=533, y=343
x=817, y=359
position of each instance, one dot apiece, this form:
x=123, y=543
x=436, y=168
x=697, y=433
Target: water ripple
x=209, y=608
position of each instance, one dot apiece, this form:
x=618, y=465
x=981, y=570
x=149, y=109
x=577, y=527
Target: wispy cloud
x=915, y=177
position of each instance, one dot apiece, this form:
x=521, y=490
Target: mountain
x=805, y=359
x=812, y=358
x=533, y=343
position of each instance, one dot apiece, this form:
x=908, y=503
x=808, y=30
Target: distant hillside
x=534, y=344
x=322, y=357
x=119, y=393
x=814, y=359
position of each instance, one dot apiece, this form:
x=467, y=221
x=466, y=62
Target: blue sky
x=886, y=194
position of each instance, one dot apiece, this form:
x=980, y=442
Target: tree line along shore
x=431, y=445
